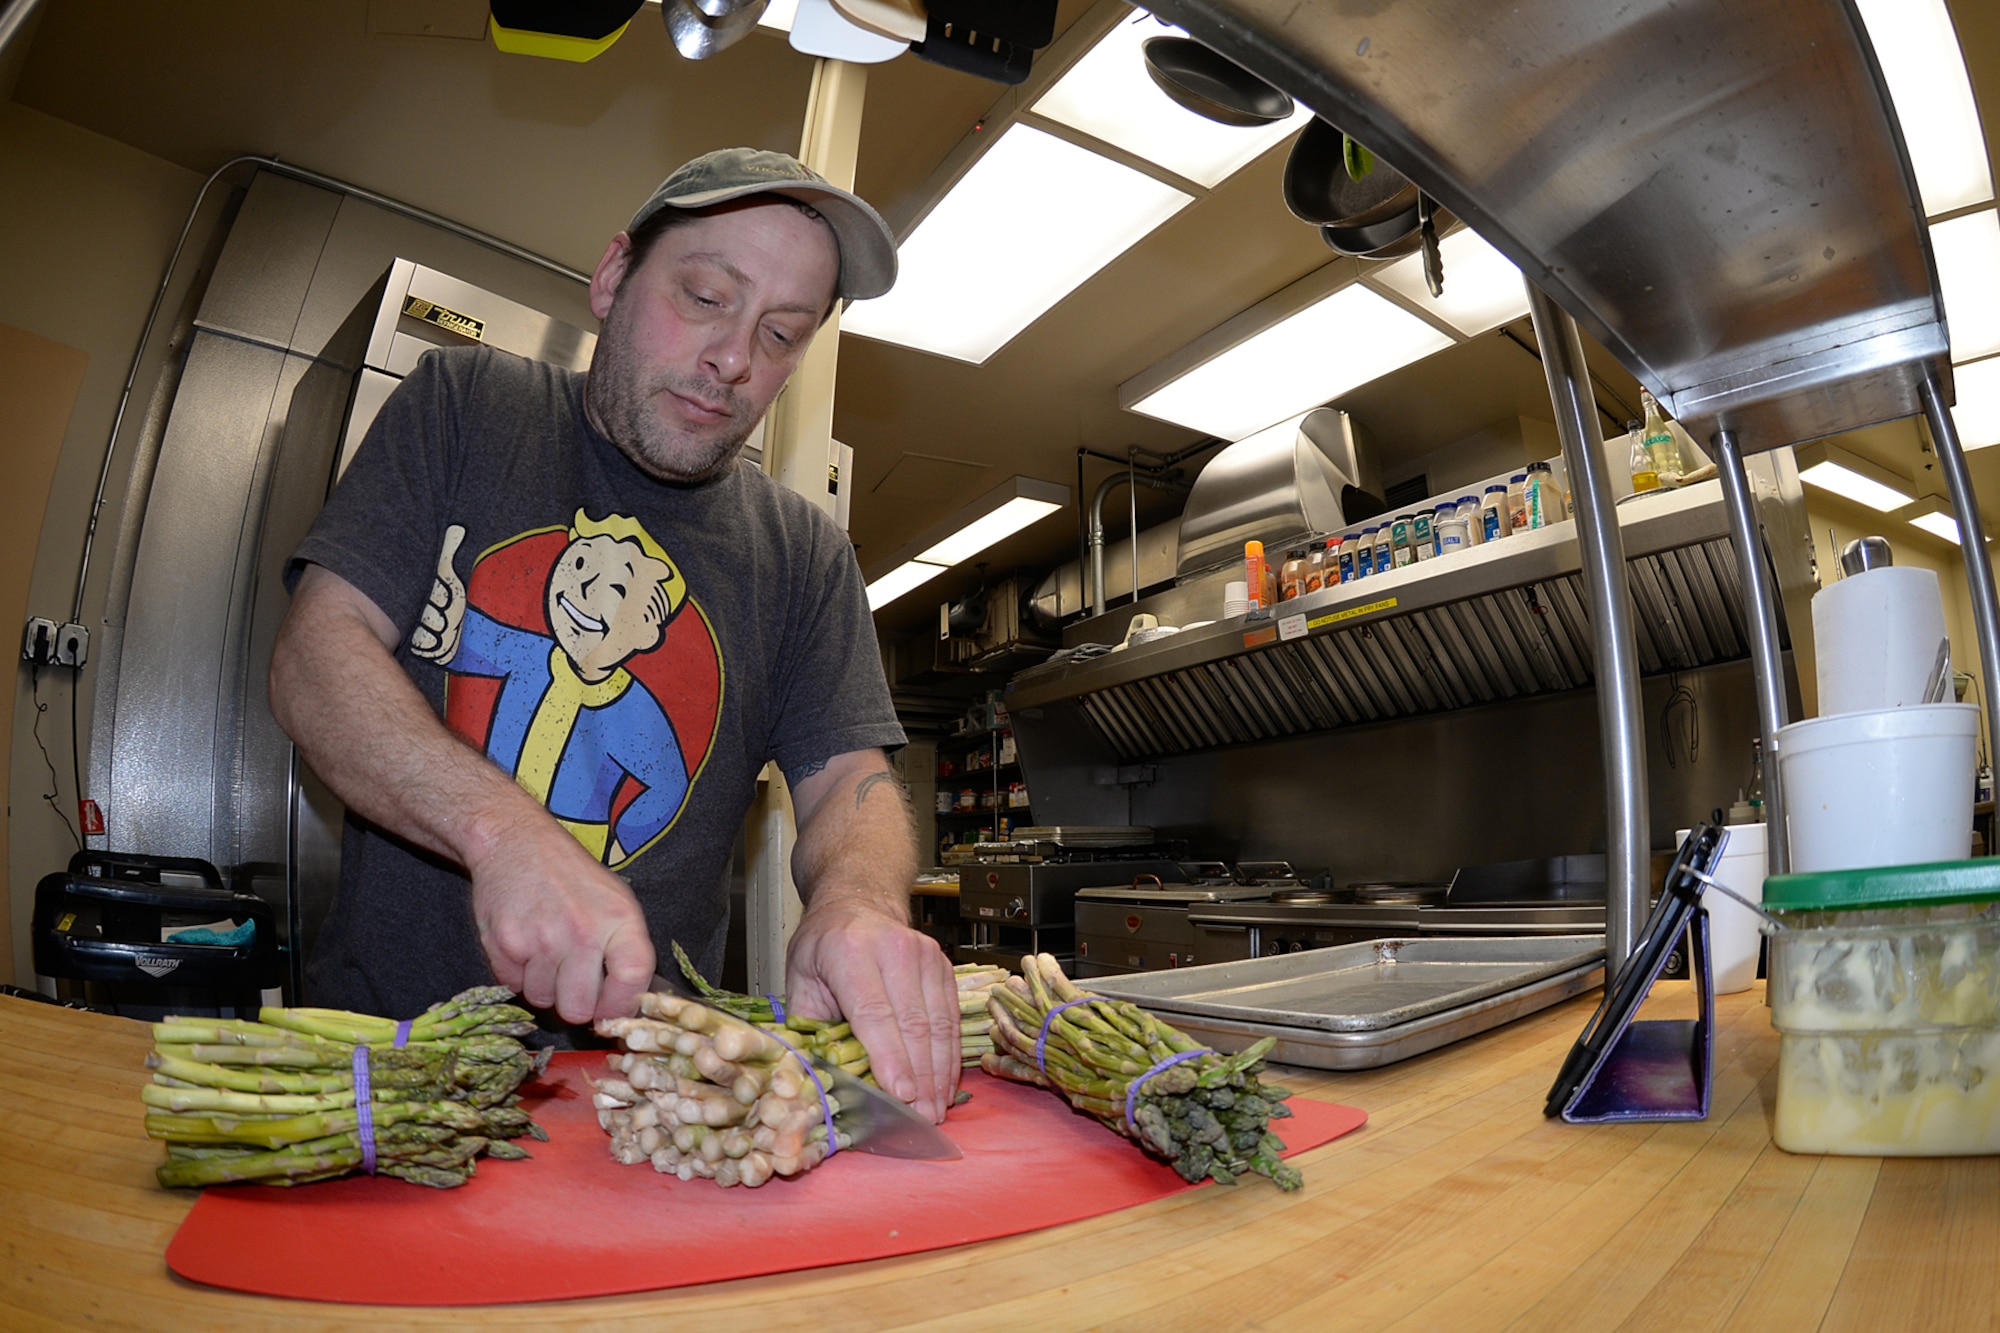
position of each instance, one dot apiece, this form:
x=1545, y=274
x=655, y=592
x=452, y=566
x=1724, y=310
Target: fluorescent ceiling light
x=1925, y=70
x=1934, y=515
x=1977, y=411
x=1482, y=288
x=1338, y=343
x=1938, y=525
x=1968, y=263
x=1033, y=219
x=993, y=517
x=904, y=577
x=1003, y=522
x=1834, y=469
x=1108, y=94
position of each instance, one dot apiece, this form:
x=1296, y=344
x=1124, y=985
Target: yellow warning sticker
x=1350, y=613
x=416, y=307
x=64, y=922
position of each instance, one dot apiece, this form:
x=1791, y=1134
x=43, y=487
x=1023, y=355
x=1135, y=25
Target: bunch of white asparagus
x=703, y=1093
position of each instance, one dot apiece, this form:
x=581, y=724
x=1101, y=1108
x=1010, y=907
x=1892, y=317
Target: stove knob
x=1017, y=907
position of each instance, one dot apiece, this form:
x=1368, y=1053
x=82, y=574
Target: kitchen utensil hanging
x=1380, y=215
x=1211, y=85
x=698, y=35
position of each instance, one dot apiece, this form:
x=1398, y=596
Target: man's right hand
x=555, y=925
x=558, y=927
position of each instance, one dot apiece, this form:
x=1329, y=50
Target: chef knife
x=882, y=1123
x=874, y=1120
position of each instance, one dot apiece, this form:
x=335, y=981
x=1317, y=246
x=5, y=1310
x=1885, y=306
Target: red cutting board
x=574, y=1223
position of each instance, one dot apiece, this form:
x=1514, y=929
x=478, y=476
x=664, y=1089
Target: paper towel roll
x=1876, y=637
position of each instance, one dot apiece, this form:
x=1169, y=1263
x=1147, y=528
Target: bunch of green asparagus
x=274, y=1100
x=1205, y=1113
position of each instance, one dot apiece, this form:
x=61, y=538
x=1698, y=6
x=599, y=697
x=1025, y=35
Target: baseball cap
x=867, y=247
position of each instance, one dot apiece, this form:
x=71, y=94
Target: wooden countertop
x=1457, y=1207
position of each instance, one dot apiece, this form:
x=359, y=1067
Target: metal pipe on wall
x=1622, y=738
x=1972, y=545
x=1760, y=603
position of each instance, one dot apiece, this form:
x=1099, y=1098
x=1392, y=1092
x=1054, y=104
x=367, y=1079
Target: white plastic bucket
x=1734, y=938
x=1888, y=787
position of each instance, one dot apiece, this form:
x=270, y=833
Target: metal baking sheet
x=1358, y=988
x=1315, y=1048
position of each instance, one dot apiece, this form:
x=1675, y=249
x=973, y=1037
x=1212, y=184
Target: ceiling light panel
x=903, y=578
x=1002, y=523
x=1968, y=261
x=1108, y=95
x=1938, y=525
x=1338, y=343
x=1844, y=481
x=1033, y=219
x=1977, y=411
x=779, y=14
x=1921, y=61
x=1482, y=288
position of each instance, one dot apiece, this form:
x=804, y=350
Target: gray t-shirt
x=631, y=652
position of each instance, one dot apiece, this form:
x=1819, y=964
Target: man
x=646, y=621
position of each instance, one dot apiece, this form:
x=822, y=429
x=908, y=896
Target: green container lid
x=1931, y=885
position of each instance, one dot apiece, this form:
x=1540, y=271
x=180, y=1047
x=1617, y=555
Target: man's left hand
x=850, y=957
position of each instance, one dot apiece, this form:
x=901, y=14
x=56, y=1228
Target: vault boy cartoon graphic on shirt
x=565, y=707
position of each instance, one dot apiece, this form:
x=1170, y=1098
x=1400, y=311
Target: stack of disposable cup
x=1733, y=935
x=1236, y=598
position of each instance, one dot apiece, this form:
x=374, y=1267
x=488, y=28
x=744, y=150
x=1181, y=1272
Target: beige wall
x=1836, y=522
x=87, y=228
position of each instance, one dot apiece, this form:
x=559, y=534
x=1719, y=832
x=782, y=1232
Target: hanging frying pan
x=1211, y=85
x=1319, y=188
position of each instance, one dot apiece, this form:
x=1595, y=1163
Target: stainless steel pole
x=1628, y=873
x=1760, y=598
x=12, y=16
x=1972, y=545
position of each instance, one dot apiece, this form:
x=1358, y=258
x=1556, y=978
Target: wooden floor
x=1458, y=1207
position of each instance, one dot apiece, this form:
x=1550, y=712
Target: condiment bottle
x=1292, y=574
x=1541, y=502
x=1339, y=560
x=1475, y=526
x=1316, y=562
x=1645, y=477
x=1423, y=534
x=1517, y=511
x=1357, y=556
x=1385, y=548
x=1454, y=534
x=1660, y=444
x=1493, y=520
x=1401, y=552
x=1256, y=578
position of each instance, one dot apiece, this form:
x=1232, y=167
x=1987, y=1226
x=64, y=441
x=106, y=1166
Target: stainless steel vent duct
x=1275, y=486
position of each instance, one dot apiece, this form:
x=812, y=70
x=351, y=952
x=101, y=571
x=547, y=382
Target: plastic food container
x=1885, y=991
x=1892, y=786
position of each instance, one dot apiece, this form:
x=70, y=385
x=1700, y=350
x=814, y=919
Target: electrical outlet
x=72, y=645
x=38, y=641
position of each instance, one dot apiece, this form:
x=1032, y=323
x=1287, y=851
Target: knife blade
x=874, y=1119
x=882, y=1123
